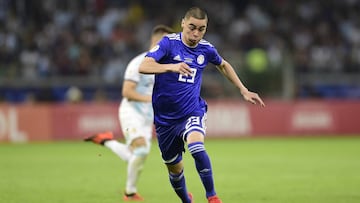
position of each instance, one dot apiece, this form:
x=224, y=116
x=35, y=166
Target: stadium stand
x=282, y=49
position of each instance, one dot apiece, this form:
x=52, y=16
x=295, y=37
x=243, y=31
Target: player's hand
x=253, y=98
x=182, y=68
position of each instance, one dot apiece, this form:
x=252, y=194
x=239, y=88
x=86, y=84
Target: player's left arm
x=228, y=71
x=129, y=91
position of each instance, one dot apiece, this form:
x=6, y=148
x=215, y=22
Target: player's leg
x=137, y=130
x=141, y=148
x=120, y=149
x=203, y=164
x=172, y=146
x=107, y=139
x=195, y=132
x=177, y=180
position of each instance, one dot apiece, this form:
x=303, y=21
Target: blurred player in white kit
x=136, y=119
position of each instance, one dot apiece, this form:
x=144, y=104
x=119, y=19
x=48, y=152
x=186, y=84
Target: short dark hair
x=160, y=29
x=197, y=13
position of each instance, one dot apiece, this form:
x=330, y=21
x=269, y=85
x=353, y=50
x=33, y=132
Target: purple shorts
x=171, y=139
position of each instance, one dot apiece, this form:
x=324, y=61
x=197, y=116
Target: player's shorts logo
x=200, y=59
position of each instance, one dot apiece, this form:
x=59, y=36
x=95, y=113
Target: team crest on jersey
x=155, y=48
x=200, y=59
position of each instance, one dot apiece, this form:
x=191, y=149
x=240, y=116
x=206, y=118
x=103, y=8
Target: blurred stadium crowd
x=48, y=46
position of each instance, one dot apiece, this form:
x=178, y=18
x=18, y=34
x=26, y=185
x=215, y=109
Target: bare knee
x=195, y=136
x=140, y=147
x=176, y=168
x=138, y=142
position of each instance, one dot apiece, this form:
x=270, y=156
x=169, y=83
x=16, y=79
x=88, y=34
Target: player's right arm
x=150, y=66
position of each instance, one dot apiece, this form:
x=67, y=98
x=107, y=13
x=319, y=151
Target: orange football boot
x=100, y=138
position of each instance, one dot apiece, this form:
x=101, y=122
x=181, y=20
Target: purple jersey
x=176, y=97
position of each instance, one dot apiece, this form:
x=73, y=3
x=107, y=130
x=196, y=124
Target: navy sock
x=178, y=183
x=203, y=166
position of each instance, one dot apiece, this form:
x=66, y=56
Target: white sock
x=135, y=166
x=119, y=149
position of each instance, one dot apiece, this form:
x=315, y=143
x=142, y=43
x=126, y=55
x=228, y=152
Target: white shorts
x=133, y=124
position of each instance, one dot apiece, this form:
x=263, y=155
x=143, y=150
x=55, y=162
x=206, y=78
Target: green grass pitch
x=262, y=170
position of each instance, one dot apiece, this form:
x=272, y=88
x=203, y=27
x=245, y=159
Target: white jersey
x=136, y=118
x=145, y=83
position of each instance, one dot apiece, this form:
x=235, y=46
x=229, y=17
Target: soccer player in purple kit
x=178, y=61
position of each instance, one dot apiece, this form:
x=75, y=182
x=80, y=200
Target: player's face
x=193, y=30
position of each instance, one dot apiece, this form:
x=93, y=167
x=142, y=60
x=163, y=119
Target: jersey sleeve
x=160, y=50
x=214, y=56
